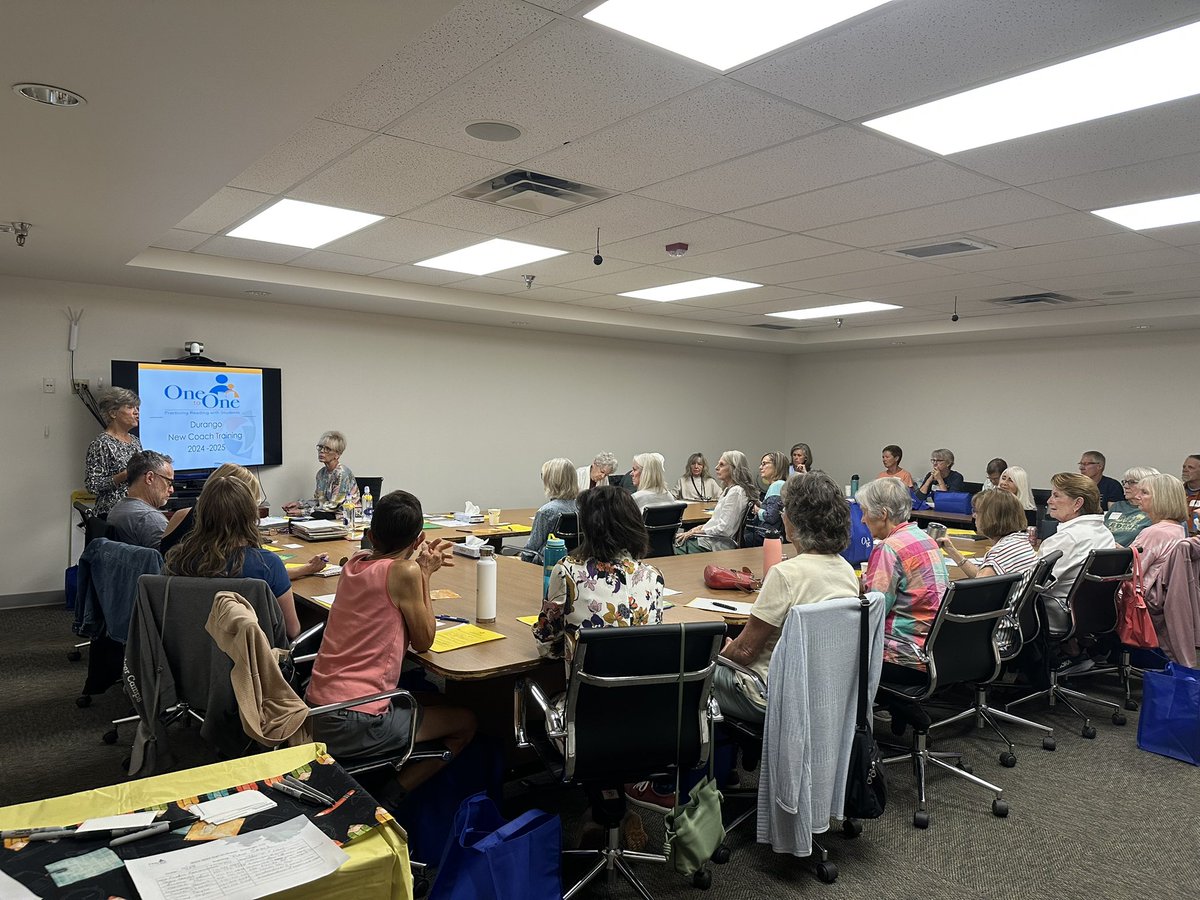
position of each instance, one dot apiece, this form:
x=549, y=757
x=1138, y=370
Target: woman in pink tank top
x=382, y=608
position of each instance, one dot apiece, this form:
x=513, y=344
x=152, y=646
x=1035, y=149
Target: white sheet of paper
x=293, y=546
x=244, y=867
x=740, y=607
x=11, y=889
x=667, y=592
x=129, y=820
x=233, y=806
x=325, y=599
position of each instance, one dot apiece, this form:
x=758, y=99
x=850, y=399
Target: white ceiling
x=200, y=115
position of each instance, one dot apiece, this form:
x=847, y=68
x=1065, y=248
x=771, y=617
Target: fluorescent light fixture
x=1141, y=73
x=1154, y=213
x=303, y=224
x=722, y=33
x=490, y=256
x=685, y=290
x=841, y=309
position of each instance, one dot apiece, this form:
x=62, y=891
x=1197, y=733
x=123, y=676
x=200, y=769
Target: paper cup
x=493, y=517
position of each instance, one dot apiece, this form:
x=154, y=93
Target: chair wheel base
x=1088, y=732
x=109, y=737
x=999, y=809
x=83, y=701
x=1008, y=760
x=1049, y=744
x=1131, y=705
x=74, y=655
x=852, y=828
x=1118, y=718
x=920, y=819
x=721, y=855
x=420, y=886
x=702, y=880
x=827, y=872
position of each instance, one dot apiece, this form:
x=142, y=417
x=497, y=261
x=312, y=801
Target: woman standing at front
x=109, y=454
x=737, y=492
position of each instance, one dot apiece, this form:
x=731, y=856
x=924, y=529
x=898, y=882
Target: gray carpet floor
x=1096, y=818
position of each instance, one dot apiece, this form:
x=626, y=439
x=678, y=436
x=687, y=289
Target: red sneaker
x=644, y=795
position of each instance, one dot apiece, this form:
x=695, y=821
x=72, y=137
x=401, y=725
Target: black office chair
x=637, y=706
x=567, y=528
x=961, y=648
x=1020, y=628
x=662, y=524
x=972, y=487
x=1093, y=605
x=372, y=482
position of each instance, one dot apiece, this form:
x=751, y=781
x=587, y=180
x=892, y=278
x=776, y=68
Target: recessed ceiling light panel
x=714, y=33
x=490, y=256
x=1152, y=70
x=301, y=224
x=685, y=290
x=1154, y=213
x=841, y=309
x=48, y=94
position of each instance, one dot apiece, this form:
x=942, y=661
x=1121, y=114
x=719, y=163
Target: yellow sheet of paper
x=959, y=531
x=528, y=620
x=462, y=636
x=443, y=594
x=273, y=549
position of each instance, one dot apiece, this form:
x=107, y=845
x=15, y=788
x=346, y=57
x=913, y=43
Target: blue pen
x=453, y=619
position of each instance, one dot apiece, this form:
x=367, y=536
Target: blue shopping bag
x=861, y=542
x=1169, y=723
x=488, y=858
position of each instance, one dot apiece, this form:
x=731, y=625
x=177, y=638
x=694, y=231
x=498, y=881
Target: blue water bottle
x=556, y=549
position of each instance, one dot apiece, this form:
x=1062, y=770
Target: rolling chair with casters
x=662, y=523
x=94, y=527
x=623, y=721
x=960, y=649
x=1023, y=624
x=1093, y=606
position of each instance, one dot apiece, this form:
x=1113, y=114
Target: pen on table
x=22, y=833
x=720, y=605
x=296, y=793
x=308, y=789
x=149, y=831
x=454, y=619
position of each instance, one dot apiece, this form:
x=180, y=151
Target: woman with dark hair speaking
x=602, y=583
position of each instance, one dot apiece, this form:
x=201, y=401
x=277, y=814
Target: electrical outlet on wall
x=79, y=384
x=47, y=385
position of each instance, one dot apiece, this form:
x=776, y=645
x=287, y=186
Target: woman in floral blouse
x=335, y=482
x=110, y=452
x=602, y=584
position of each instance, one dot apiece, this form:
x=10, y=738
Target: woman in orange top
x=891, y=466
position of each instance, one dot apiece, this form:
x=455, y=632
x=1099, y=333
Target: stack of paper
x=319, y=529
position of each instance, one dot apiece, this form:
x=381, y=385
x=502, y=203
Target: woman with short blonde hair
x=559, y=480
x=1163, y=499
x=649, y=481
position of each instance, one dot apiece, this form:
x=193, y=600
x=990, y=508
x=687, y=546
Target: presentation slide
x=202, y=416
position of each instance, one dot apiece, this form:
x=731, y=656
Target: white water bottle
x=485, y=587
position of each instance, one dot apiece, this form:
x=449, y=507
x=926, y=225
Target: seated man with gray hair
x=137, y=518
x=597, y=473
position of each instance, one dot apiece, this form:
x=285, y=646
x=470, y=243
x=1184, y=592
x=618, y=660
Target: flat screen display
x=204, y=416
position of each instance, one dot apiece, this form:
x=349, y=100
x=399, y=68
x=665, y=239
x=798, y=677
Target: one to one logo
x=222, y=395
x=223, y=386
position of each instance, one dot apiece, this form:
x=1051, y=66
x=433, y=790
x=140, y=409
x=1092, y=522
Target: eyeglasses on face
x=1129, y=482
x=170, y=481
x=324, y=448
x=1087, y=462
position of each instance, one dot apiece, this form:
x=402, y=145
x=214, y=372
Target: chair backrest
x=972, y=487
x=1025, y=608
x=372, y=482
x=961, y=645
x=1093, y=596
x=94, y=526
x=662, y=522
x=109, y=572
x=632, y=708
x=567, y=528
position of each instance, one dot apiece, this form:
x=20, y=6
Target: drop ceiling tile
x=475, y=32
x=1104, y=245
x=176, y=239
x=818, y=266
x=618, y=218
x=787, y=304
x=557, y=294
x=573, y=267
x=703, y=236
x=389, y=176
x=737, y=298
x=1128, y=184
x=923, y=185
x=1122, y=263
x=1070, y=226
x=896, y=292
x=969, y=298
x=884, y=275
x=632, y=280
x=225, y=208
x=626, y=303
x=317, y=143
x=239, y=248
x=912, y=51
x=1138, y=280
x=1185, y=236
x=340, y=262
x=661, y=143
x=820, y=160
x=500, y=283
x=403, y=241
x=473, y=215
x=418, y=275
x=788, y=248
x=1142, y=135
x=954, y=218
x=568, y=80
x=698, y=313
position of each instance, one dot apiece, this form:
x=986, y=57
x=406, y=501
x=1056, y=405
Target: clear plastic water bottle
x=556, y=549
x=368, y=503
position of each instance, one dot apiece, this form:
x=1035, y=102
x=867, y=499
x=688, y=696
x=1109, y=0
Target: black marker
x=724, y=606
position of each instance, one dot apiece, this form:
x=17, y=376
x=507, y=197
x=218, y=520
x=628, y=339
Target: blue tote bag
x=488, y=858
x=861, y=541
x=1169, y=723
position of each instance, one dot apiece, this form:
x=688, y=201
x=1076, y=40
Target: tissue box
x=470, y=519
x=463, y=550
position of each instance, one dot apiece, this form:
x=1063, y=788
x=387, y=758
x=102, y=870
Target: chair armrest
x=306, y=635
x=306, y=658
x=554, y=720
x=511, y=551
x=755, y=678
x=359, y=701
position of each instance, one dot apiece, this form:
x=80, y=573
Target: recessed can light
x=48, y=94
x=493, y=131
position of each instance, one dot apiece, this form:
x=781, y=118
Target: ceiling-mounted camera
x=193, y=348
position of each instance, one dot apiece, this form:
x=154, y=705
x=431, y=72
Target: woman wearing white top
x=721, y=531
x=1016, y=482
x=1075, y=503
x=649, y=481
x=697, y=485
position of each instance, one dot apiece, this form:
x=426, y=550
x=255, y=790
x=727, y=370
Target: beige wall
x=449, y=412
x=1037, y=404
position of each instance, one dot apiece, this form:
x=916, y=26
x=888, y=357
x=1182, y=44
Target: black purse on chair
x=866, y=786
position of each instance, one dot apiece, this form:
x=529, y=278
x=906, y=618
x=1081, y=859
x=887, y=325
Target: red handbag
x=1134, y=627
x=719, y=578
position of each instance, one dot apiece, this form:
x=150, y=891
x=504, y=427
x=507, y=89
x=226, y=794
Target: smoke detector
x=677, y=249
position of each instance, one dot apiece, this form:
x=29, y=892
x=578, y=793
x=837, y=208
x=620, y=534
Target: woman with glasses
x=941, y=477
x=767, y=514
x=1125, y=518
x=335, y=482
x=109, y=454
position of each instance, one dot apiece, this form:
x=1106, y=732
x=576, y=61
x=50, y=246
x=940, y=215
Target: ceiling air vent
x=534, y=192
x=1042, y=300
x=945, y=248
x=769, y=327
